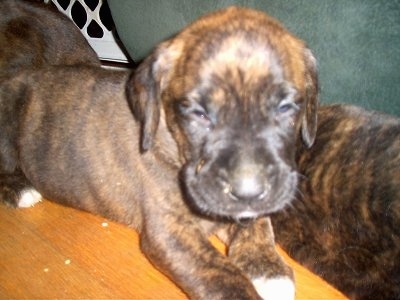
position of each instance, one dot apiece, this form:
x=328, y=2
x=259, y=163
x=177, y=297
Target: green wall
x=356, y=42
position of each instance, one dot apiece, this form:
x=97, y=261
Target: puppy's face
x=237, y=89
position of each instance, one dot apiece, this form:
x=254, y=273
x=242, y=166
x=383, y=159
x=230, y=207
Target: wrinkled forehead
x=240, y=65
x=236, y=50
x=239, y=59
x=245, y=55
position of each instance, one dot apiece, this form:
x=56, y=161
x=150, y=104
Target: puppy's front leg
x=252, y=249
x=176, y=245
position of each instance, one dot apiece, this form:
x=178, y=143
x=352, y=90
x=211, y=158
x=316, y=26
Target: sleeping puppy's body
x=345, y=225
x=205, y=137
x=34, y=35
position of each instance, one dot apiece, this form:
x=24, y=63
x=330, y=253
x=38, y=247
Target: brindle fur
x=78, y=143
x=33, y=35
x=345, y=224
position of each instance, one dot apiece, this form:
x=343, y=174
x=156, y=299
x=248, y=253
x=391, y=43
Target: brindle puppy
x=345, y=225
x=33, y=35
x=218, y=110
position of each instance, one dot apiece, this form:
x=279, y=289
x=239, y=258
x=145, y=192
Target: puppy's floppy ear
x=145, y=87
x=309, y=122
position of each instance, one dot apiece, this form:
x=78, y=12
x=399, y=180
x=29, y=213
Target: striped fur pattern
x=345, y=223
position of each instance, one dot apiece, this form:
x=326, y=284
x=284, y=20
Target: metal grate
x=94, y=19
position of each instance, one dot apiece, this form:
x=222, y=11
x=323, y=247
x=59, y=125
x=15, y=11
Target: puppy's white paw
x=29, y=197
x=279, y=288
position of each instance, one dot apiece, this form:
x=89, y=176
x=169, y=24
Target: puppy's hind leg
x=17, y=191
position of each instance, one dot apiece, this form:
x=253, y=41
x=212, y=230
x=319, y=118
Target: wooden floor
x=50, y=251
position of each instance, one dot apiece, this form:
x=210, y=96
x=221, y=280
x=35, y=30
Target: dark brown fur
x=345, y=224
x=78, y=143
x=33, y=35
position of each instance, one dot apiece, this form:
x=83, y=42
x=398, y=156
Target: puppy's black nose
x=247, y=183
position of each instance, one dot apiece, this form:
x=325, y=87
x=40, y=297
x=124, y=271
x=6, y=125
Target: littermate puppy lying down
x=33, y=35
x=345, y=224
x=200, y=140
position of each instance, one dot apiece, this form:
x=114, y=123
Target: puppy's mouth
x=210, y=194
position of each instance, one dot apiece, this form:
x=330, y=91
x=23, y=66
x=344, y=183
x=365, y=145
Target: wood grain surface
x=50, y=251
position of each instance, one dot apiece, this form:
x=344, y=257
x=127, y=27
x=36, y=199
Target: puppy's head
x=238, y=91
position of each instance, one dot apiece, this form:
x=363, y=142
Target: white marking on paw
x=29, y=197
x=279, y=288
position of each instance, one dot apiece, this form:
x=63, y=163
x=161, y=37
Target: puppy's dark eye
x=283, y=108
x=287, y=106
x=200, y=114
x=194, y=112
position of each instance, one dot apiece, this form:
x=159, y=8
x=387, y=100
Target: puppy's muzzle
x=239, y=183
